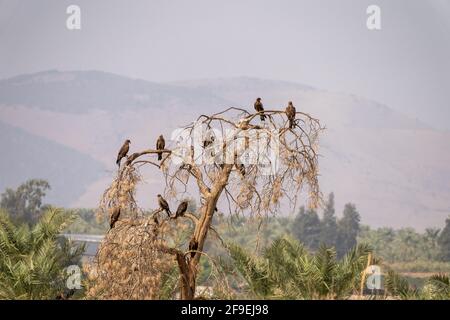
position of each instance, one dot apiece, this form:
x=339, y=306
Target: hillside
x=82, y=91
x=27, y=156
x=394, y=168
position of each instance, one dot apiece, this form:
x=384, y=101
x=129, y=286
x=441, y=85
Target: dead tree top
x=265, y=161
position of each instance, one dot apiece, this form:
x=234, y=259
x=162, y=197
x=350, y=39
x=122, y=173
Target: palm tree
x=437, y=287
x=32, y=260
x=398, y=287
x=287, y=271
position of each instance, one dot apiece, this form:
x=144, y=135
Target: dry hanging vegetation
x=252, y=166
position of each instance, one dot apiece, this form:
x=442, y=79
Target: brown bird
x=182, y=208
x=160, y=145
x=155, y=228
x=290, y=113
x=123, y=151
x=259, y=108
x=193, y=246
x=241, y=168
x=208, y=141
x=164, y=205
x=131, y=158
x=115, y=214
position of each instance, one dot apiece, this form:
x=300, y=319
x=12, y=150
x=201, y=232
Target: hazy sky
x=321, y=43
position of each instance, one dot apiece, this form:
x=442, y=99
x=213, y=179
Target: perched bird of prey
x=193, y=245
x=164, y=205
x=241, y=168
x=115, y=214
x=181, y=209
x=208, y=141
x=123, y=151
x=290, y=113
x=131, y=158
x=160, y=145
x=155, y=227
x=259, y=108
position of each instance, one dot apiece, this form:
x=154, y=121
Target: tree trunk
x=187, y=279
x=188, y=269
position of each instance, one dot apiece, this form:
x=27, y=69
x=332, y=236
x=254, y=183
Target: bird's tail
x=291, y=123
x=160, y=156
x=263, y=117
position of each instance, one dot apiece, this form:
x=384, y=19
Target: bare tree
x=231, y=156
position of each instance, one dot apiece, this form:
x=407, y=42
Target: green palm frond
x=440, y=279
x=51, y=224
x=325, y=261
x=438, y=286
x=7, y=234
x=253, y=270
x=278, y=260
x=293, y=273
x=350, y=269
x=399, y=287
x=32, y=261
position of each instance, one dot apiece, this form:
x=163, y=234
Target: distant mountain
x=82, y=91
x=26, y=156
x=394, y=168
x=331, y=108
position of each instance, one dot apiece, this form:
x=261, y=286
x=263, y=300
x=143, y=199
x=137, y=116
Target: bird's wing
x=290, y=111
x=122, y=151
x=164, y=203
x=160, y=144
